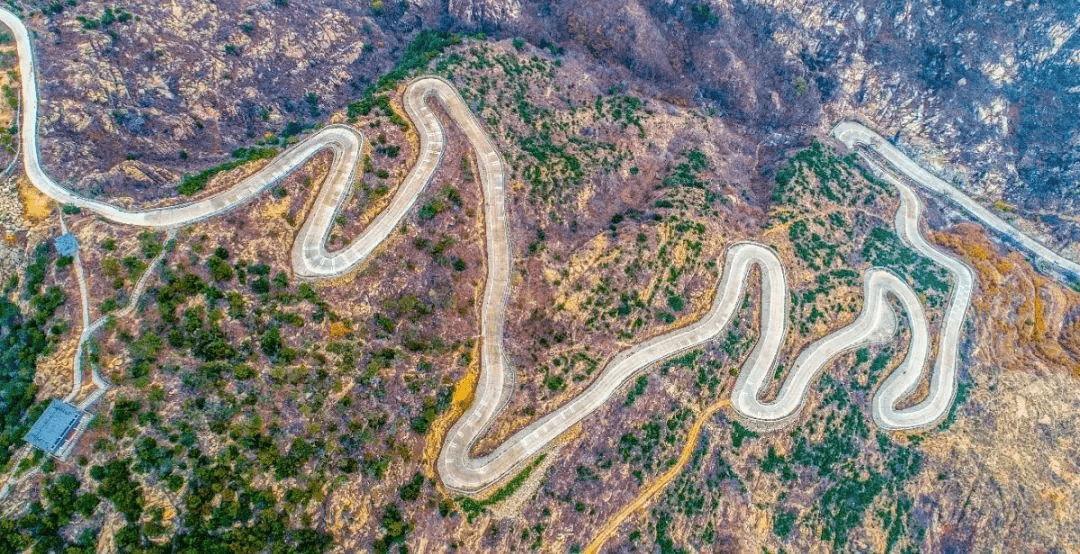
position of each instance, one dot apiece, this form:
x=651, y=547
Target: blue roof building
x=57, y=423
x=66, y=244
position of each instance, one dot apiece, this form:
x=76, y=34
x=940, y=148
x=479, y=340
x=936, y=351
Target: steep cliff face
x=722, y=57
x=484, y=13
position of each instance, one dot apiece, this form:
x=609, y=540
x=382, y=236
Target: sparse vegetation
x=273, y=379
x=473, y=508
x=191, y=184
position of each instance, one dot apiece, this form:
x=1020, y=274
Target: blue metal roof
x=52, y=428
x=66, y=244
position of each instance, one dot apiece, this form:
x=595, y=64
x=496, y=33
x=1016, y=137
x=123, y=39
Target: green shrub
x=639, y=388
x=191, y=184
x=117, y=486
x=410, y=491
x=783, y=523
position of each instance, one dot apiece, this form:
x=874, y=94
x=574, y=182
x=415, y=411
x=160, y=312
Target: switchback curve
x=458, y=469
x=853, y=133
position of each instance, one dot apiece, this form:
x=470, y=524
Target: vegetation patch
x=191, y=184
x=473, y=508
x=424, y=48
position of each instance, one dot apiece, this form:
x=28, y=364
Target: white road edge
x=458, y=469
x=854, y=134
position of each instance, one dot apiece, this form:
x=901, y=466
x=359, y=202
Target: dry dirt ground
x=613, y=247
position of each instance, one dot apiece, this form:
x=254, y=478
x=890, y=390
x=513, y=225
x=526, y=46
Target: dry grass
x=36, y=206
x=462, y=398
x=338, y=329
x=659, y=484
x=1025, y=313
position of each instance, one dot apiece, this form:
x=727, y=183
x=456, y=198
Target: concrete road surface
x=460, y=470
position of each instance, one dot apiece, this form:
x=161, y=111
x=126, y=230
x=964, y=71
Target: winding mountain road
x=458, y=469
x=853, y=134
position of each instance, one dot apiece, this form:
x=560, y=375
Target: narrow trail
x=88, y=329
x=458, y=469
x=661, y=482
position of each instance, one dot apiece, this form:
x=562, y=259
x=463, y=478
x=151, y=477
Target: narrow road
x=458, y=469
x=852, y=134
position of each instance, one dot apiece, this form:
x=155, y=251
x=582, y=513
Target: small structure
x=57, y=428
x=66, y=244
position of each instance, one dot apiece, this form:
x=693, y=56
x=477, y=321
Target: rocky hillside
x=250, y=409
x=984, y=89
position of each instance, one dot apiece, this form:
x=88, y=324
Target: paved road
x=852, y=133
x=457, y=467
